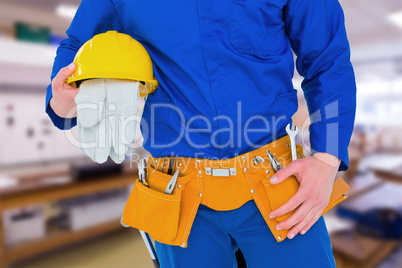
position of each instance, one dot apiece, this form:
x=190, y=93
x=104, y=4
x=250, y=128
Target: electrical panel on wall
x=26, y=133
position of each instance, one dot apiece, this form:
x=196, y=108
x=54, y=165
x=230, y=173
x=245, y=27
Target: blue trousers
x=216, y=235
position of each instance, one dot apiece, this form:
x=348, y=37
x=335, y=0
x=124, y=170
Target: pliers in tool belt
x=274, y=162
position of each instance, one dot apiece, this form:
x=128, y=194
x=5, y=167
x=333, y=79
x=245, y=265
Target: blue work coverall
x=225, y=69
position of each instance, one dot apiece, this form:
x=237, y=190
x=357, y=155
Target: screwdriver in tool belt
x=170, y=168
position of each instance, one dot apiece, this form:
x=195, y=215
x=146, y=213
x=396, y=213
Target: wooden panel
x=68, y=191
x=57, y=240
x=60, y=238
x=352, y=250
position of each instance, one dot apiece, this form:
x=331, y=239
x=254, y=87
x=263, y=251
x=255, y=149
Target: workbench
x=352, y=249
x=56, y=238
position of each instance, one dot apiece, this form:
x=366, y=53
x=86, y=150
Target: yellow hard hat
x=114, y=55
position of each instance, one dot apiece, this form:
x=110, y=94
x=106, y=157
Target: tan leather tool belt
x=219, y=184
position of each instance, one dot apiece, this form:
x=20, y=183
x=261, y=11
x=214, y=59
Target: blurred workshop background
x=57, y=209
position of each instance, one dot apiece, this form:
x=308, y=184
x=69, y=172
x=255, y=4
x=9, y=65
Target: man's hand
x=62, y=102
x=316, y=176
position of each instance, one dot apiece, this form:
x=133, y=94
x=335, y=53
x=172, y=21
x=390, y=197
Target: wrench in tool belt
x=292, y=135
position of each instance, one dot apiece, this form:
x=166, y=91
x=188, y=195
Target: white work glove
x=107, y=118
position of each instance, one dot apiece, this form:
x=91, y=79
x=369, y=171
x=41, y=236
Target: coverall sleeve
x=316, y=30
x=92, y=17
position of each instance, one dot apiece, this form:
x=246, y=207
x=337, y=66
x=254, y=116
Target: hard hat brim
x=71, y=80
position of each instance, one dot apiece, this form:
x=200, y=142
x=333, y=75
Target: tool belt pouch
x=150, y=210
x=280, y=193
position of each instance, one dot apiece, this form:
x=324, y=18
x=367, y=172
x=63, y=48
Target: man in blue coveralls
x=232, y=59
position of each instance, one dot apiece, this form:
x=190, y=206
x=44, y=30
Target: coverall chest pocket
x=257, y=26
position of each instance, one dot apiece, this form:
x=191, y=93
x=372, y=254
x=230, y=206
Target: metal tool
x=292, y=135
x=170, y=168
x=147, y=240
x=148, y=244
x=150, y=247
x=274, y=162
x=142, y=170
x=163, y=164
x=172, y=183
x=258, y=159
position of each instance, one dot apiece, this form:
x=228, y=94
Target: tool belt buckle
x=220, y=172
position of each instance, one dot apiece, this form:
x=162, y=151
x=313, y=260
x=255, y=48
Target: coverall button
x=267, y=171
x=243, y=157
x=198, y=161
x=179, y=164
x=183, y=245
x=199, y=172
x=199, y=194
x=246, y=169
x=252, y=191
x=279, y=237
x=156, y=161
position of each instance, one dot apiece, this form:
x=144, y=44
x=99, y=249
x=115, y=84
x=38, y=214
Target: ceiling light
x=66, y=11
x=396, y=18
